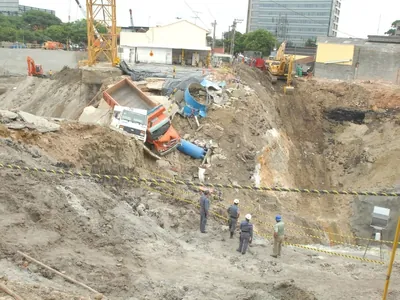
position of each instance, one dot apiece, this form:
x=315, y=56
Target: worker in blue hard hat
x=279, y=235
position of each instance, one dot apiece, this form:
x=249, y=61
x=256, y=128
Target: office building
x=294, y=20
x=13, y=8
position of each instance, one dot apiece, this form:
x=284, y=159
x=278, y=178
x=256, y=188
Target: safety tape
x=338, y=234
x=286, y=243
x=187, y=201
x=204, y=185
x=346, y=236
x=331, y=252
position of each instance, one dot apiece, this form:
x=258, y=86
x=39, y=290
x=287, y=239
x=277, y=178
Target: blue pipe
x=191, y=149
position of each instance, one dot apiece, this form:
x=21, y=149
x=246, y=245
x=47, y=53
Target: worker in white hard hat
x=246, y=234
x=233, y=216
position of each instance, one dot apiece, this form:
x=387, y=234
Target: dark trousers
x=203, y=221
x=232, y=224
x=244, y=242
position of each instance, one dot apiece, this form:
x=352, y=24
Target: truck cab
x=160, y=134
x=130, y=120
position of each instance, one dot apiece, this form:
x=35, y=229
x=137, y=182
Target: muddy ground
x=129, y=242
x=328, y=135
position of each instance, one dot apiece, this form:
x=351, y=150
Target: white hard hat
x=248, y=217
x=236, y=201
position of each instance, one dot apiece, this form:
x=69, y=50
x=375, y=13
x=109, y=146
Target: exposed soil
x=131, y=242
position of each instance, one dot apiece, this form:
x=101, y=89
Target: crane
x=84, y=13
x=108, y=40
x=130, y=14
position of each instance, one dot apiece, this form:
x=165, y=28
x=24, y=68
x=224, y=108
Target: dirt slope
x=131, y=243
x=63, y=96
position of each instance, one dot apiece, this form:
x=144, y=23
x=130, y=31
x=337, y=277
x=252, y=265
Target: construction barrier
x=143, y=180
x=203, y=185
x=346, y=236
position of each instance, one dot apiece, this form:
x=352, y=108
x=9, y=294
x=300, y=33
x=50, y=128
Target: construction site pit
x=120, y=238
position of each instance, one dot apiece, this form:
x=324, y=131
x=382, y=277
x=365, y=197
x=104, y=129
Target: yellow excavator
x=277, y=68
x=288, y=88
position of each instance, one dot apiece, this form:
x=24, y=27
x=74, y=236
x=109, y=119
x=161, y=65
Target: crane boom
x=130, y=13
x=85, y=15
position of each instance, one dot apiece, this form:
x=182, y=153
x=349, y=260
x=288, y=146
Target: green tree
x=40, y=19
x=392, y=31
x=219, y=43
x=8, y=34
x=311, y=42
x=57, y=33
x=259, y=40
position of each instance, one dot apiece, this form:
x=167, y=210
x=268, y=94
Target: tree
x=40, y=19
x=392, y=31
x=259, y=40
x=311, y=42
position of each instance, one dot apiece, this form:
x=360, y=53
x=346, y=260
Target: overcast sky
x=358, y=17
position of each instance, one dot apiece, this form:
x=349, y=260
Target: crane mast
x=102, y=14
x=130, y=14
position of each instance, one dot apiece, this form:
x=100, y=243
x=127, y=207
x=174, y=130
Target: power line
x=196, y=14
x=303, y=15
x=209, y=11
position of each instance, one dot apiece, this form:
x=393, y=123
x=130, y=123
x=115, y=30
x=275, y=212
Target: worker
x=50, y=73
x=233, y=215
x=279, y=234
x=246, y=234
x=204, y=207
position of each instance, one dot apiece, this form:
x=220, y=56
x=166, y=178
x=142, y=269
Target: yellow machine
x=289, y=89
x=278, y=67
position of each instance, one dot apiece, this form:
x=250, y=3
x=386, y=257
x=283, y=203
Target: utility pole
x=223, y=41
x=235, y=22
x=213, y=41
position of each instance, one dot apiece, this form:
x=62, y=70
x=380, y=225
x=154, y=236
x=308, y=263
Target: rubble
x=89, y=228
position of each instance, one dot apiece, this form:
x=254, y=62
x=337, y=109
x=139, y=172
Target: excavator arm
x=280, y=54
x=31, y=66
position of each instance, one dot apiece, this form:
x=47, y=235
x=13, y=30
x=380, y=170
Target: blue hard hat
x=278, y=218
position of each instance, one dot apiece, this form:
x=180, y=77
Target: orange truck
x=50, y=45
x=138, y=115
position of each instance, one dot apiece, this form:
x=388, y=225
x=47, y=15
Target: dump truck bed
x=126, y=93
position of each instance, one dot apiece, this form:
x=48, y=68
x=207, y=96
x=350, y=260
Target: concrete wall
x=14, y=60
x=160, y=55
x=182, y=35
x=369, y=61
x=379, y=62
x=342, y=54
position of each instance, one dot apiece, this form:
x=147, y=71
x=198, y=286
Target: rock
x=163, y=164
x=16, y=126
x=6, y=114
x=156, y=85
x=186, y=136
x=140, y=209
x=41, y=124
x=219, y=127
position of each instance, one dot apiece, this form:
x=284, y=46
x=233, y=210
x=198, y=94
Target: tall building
x=12, y=8
x=294, y=20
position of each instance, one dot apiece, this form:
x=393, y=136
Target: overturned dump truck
x=137, y=114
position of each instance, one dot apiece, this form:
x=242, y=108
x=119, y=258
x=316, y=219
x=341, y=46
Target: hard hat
x=248, y=217
x=278, y=218
x=236, y=201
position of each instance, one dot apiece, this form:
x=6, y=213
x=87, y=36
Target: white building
x=166, y=45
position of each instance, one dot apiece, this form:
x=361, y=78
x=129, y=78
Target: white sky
x=358, y=18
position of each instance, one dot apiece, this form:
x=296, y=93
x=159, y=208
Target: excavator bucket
x=288, y=90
